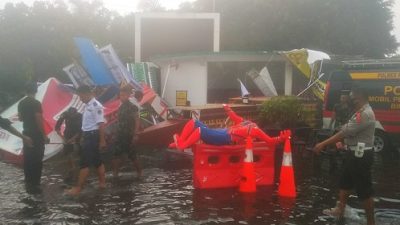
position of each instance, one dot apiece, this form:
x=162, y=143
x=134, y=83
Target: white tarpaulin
x=263, y=81
x=55, y=99
x=314, y=56
x=117, y=69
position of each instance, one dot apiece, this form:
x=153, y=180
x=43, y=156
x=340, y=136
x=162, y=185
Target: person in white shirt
x=93, y=122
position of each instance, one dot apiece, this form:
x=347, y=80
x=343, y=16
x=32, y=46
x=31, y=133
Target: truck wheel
x=381, y=142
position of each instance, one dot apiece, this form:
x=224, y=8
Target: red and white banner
x=55, y=98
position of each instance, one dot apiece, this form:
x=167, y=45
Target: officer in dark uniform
x=127, y=130
x=30, y=113
x=358, y=136
x=6, y=125
x=71, y=136
x=92, y=139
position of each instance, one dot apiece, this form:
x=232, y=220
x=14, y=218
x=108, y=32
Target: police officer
x=358, y=135
x=93, y=139
x=71, y=136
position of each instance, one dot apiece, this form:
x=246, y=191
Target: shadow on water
x=165, y=195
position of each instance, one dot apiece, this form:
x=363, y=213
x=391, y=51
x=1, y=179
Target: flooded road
x=165, y=195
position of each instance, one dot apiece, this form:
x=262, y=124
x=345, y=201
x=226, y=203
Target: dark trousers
x=33, y=162
x=90, y=154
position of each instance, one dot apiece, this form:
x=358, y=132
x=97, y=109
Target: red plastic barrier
x=219, y=166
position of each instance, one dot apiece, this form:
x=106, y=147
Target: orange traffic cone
x=287, y=187
x=248, y=179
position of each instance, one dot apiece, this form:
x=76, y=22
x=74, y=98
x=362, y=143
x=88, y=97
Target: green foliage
x=282, y=112
x=342, y=27
x=36, y=42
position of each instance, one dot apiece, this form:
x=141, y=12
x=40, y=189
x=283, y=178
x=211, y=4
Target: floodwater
x=165, y=195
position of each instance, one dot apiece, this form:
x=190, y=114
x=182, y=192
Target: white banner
x=78, y=75
x=118, y=70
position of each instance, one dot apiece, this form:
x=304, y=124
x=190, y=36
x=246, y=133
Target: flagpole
x=310, y=84
x=166, y=80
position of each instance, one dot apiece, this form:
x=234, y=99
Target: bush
x=282, y=112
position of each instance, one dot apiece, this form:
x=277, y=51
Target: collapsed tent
x=102, y=69
x=55, y=98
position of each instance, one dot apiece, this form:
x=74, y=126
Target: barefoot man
x=127, y=130
x=93, y=139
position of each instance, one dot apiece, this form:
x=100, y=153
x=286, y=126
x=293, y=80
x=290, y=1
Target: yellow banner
x=298, y=58
x=319, y=89
x=375, y=75
x=181, y=98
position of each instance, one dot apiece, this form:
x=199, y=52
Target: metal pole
x=312, y=84
x=166, y=80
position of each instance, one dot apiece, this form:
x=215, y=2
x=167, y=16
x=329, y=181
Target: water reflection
x=166, y=196
x=33, y=209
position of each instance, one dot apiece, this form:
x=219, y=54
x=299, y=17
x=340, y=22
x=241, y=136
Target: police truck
x=381, y=79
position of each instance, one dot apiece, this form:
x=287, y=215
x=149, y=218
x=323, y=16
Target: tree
x=37, y=42
x=150, y=6
x=344, y=27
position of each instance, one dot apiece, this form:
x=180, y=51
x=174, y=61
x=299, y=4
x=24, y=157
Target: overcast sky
x=122, y=6
x=126, y=6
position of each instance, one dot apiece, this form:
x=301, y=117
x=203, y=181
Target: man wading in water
x=93, y=139
x=358, y=136
x=30, y=113
x=127, y=130
x=71, y=136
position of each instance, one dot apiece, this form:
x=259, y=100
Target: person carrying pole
x=127, y=130
x=30, y=113
x=71, y=137
x=92, y=140
x=6, y=125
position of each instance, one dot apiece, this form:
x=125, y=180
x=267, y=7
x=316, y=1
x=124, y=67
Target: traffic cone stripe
x=287, y=186
x=248, y=179
x=287, y=159
x=249, y=156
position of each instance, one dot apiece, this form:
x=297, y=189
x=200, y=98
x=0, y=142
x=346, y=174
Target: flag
x=243, y=89
x=309, y=62
x=298, y=57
